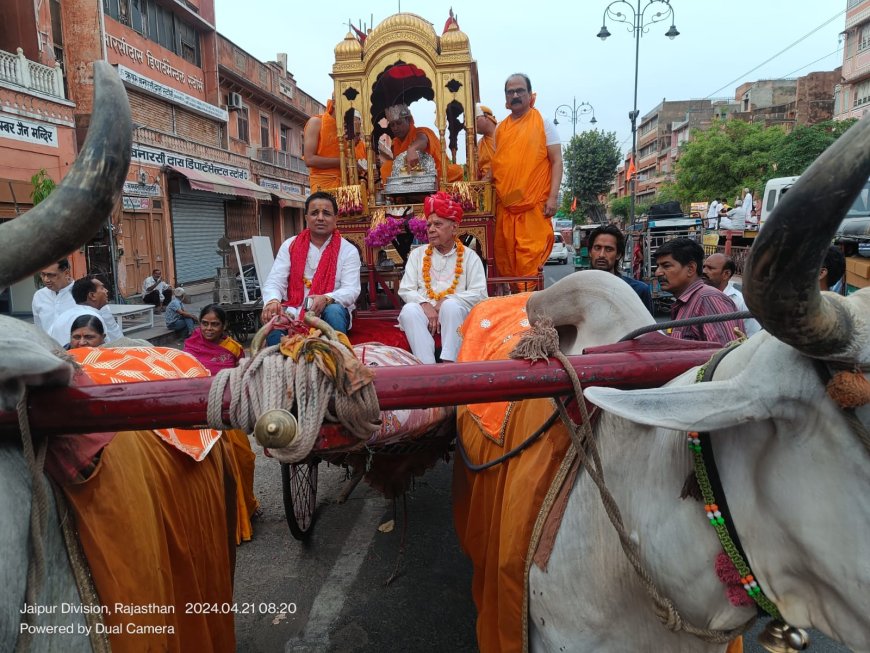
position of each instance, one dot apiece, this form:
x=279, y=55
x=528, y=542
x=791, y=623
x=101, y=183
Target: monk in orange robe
x=407, y=137
x=321, y=152
x=485, y=124
x=526, y=172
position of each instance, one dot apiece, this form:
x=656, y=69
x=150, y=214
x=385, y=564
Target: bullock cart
x=184, y=403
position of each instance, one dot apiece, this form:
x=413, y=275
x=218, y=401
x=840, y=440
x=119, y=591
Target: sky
x=722, y=44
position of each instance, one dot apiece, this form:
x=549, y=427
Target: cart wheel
x=300, y=496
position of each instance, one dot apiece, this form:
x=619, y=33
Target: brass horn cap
x=275, y=428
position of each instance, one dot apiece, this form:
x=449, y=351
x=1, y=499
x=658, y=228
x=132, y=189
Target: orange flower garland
x=307, y=282
x=427, y=272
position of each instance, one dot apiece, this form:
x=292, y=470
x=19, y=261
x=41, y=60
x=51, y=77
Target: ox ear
x=698, y=407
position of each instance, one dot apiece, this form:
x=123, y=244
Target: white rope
x=270, y=381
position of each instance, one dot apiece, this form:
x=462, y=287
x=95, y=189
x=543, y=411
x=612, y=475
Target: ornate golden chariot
x=401, y=60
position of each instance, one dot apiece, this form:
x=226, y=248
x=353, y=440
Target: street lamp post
x=638, y=24
x=574, y=113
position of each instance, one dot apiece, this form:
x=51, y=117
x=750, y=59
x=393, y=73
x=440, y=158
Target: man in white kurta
x=55, y=297
x=747, y=208
x=325, y=279
x=91, y=298
x=442, y=281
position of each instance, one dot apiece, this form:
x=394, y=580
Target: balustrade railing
x=19, y=70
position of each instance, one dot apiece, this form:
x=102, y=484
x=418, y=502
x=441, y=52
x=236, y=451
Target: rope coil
x=270, y=380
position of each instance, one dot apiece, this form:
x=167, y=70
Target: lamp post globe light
x=639, y=22
x=574, y=113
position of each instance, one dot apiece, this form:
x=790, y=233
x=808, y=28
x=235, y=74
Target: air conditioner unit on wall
x=234, y=101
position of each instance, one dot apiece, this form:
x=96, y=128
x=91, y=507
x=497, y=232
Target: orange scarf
x=324, y=277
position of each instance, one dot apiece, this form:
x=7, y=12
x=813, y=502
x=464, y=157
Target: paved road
x=337, y=579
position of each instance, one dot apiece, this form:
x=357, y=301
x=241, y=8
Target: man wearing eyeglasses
x=55, y=296
x=527, y=173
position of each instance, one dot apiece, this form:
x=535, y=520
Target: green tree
x=722, y=160
x=804, y=144
x=590, y=161
x=42, y=186
x=620, y=207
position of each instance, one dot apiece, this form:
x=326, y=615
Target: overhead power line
x=813, y=62
x=789, y=47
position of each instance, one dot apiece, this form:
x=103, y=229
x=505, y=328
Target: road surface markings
x=329, y=601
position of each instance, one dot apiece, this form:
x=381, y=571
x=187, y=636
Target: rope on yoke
x=319, y=375
x=542, y=341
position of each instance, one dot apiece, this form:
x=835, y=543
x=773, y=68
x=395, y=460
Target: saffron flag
x=631, y=169
x=574, y=205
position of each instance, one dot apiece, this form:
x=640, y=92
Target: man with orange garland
x=316, y=271
x=442, y=281
x=407, y=137
x=527, y=173
x=320, y=150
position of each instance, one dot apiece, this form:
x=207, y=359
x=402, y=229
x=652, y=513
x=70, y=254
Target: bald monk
x=407, y=137
x=526, y=172
x=485, y=124
x=320, y=150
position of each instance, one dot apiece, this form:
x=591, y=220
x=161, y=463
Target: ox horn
x=781, y=285
x=86, y=196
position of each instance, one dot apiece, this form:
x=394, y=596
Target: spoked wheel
x=300, y=496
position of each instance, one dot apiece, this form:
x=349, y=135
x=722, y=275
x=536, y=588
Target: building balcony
x=19, y=70
x=646, y=159
x=281, y=159
x=647, y=138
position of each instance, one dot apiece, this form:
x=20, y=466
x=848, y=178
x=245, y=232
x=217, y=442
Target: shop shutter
x=197, y=224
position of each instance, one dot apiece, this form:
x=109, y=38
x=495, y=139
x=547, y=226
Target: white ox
x=794, y=470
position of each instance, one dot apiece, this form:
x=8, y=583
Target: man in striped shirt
x=679, y=272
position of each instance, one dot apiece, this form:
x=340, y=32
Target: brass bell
x=275, y=428
x=779, y=637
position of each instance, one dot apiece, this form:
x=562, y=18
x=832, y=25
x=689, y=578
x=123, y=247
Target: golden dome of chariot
x=454, y=39
x=349, y=49
x=404, y=21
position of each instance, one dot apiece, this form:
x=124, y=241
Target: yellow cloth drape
x=521, y=174
x=494, y=512
x=242, y=459
x=157, y=529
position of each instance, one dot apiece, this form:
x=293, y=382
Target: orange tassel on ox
x=849, y=388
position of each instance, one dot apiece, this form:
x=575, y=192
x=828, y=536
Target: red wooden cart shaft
x=182, y=402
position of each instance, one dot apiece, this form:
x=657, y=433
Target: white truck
x=853, y=235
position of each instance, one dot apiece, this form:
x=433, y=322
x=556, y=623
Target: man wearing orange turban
x=485, y=124
x=442, y=281
x=320, y=150
x=527, y=172
x=407, y=137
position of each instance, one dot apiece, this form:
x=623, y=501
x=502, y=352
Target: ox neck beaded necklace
x=715, y=504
